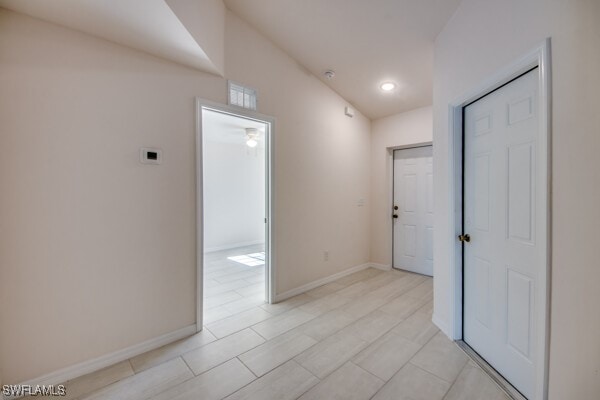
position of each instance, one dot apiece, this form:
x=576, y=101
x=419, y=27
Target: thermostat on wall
x=149, y=155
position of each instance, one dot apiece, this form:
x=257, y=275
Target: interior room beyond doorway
x=234, y=212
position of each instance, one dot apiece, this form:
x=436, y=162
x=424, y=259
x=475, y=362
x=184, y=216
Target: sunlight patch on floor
x=251, y=260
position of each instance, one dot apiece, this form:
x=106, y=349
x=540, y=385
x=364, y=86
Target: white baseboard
x=232, y=246
x=383, y=267
x=319, y=282
x=86, y=367
x=442, y=325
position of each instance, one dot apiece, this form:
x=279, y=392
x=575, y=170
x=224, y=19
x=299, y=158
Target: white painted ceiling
x=225, y=128
x=365, y=42
x=147, y=25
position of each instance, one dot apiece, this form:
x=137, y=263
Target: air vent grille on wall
x=242, y=96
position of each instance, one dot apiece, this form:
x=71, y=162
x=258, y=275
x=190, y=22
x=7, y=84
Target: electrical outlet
x=326, y=255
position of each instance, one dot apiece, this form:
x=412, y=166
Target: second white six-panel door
x=413, y=198
x=501, y=187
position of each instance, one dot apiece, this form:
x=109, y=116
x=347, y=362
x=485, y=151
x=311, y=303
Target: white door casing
x=270, y=236
x=413, y=195
x=503, y=181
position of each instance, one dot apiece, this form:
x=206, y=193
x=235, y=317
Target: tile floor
x=231, y=287
x=365, y=336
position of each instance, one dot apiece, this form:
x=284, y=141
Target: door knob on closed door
x=464, y=238
x=395, y=216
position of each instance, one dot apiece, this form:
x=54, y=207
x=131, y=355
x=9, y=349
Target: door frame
x=270, y=237
x=538, y=57
x=392, y=184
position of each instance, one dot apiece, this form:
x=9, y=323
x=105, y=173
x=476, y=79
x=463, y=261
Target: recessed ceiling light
x=388, y=86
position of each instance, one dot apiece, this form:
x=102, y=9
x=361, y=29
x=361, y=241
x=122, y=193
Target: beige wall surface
x=482, y=37
x=96, y=250
x=321, y=161
x=405, y=129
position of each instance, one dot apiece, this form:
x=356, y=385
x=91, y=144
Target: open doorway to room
x=234, y=212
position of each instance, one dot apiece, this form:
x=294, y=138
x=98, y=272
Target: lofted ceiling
x=152, y=26
x=366, y=42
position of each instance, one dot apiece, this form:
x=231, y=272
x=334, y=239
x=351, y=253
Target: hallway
x=365, y=336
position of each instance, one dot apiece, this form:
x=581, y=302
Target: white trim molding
x=270, y=236
x=439, y=322
x=383, y=267
x=319, y=282
x=538, y=57
x=86, y=367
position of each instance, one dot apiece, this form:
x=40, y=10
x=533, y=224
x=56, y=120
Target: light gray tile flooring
x=368, y=335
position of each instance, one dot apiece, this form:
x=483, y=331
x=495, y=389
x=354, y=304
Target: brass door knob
x=464, y=238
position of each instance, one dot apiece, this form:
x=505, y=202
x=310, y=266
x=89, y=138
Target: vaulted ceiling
x=366, y=42
x=178, y=30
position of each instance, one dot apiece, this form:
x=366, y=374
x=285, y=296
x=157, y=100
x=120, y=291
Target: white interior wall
x=234, y=194
x=321, y=161
x=82, y=218
x=482, y=37
x=404, y=129
x=97, y=252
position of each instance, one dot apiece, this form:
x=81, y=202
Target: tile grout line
x=369, y=372
x=318, y=341
x=187, y=365
x=253, y=330
x=249, y=326
x=432, y=373
x=298, y=327
x=276, y=366
x=152, y=394
x=211, y=332
x=319, y=380
x=454, y=382
x=406, y=363
x=247, y=367
x=224, y=304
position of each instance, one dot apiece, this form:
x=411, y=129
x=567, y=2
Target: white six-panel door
x=413, y=196
x=501, y=184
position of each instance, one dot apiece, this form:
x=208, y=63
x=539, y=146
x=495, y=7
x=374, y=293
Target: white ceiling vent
x=242, y=96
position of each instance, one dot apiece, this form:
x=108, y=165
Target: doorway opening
x=412, y=232
x=233, y=211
